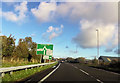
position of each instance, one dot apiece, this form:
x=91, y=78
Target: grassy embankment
x=107, y=67
x=9, y=63
x=21, y=63
x=19, y=75
x=114, y=67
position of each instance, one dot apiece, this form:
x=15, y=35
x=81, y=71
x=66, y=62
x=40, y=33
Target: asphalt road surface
x=75, y=73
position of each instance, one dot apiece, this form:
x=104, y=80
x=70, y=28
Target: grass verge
x=104, y=67
x=19, y=75
x=116, y=70
x=13, y=64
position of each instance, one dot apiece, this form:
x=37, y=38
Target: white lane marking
x=75, y=67
x=84, y=72
x=88, y=74
x=81, y=70
x=99, y=81
x=28, y=81
x=49, y=74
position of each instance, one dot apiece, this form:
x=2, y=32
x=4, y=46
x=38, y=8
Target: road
x=75, y=73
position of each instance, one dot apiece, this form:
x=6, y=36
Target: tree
x=8, y=45
x=81, y=59
x=95, y=61
x=26, y=49
x=21, y=50
x=33, y=48
x=69, y=59
x=32, y=51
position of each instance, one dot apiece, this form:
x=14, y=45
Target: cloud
x=53, y=35
x=87, y=37
x=52, y=32
x=50, y=29
x=0, y=12
x=44, y=12
x=21, y=9
x=66, y=47
x=75, y=11
x=32, y=35
x=96, y=15
x=75, y=52
x=117, y=51
x=103, y=16
x=93, y=11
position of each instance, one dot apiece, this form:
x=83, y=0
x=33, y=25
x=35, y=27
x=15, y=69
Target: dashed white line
x=49, y=74
x=88, y=74
x=84, y=72
x=75, y=67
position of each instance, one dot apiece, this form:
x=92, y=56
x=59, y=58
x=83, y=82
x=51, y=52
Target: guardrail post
x=26, y=69
x=11, y=72
x=3, y=74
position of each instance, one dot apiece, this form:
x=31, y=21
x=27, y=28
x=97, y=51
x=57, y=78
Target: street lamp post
x=97, y=44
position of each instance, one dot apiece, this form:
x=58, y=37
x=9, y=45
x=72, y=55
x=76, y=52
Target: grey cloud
x=117, y=51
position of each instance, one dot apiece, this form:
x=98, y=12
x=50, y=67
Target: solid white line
x=28, y=81
x=49, y=74
x=99, y=81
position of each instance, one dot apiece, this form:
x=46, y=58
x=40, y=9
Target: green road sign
x=50, y=57
x=47, y=57
x=45, y=49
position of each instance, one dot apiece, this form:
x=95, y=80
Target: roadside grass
x=19, y=75
x=11, y=64
x=113, y=69
x=7, y=63
x=106, y=67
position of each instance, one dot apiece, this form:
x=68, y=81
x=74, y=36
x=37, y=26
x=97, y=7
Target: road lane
x=67, y=73
x=49, y=74
x=104, y=76
x=36, y=77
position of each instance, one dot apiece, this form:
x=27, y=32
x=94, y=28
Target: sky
x=69, y=26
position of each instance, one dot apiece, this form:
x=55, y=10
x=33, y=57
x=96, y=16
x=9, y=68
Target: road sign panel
x=45, y=49
x=47, y=57
x=50, y=57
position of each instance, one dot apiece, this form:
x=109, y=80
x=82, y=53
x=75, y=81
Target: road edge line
x=49, y=74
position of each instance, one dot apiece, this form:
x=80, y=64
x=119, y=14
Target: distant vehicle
x=61, y=61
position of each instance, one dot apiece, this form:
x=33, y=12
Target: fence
x=12, y=69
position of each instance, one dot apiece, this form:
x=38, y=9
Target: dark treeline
x=82, y=60
x=25, y=50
